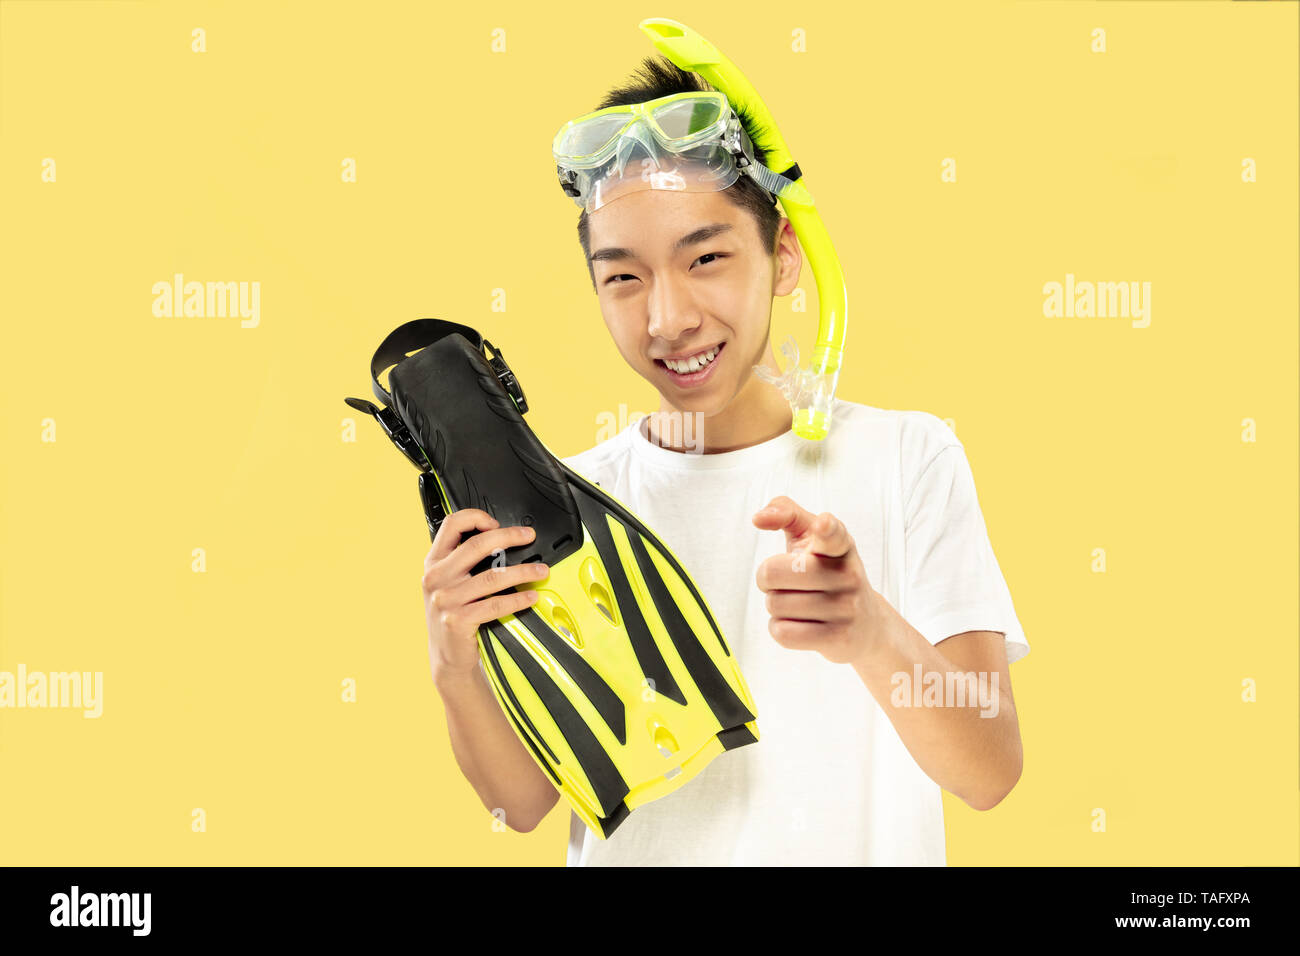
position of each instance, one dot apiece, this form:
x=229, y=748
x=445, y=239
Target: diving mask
x=685, y=142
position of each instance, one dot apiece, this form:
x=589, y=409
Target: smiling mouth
x=692, y=363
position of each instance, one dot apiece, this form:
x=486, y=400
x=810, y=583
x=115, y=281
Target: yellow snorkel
x=810, y=390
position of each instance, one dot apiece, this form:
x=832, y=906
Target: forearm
x=490, y=753
x=971, y=746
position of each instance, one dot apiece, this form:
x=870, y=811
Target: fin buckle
x=507, y=377
x=395, y=429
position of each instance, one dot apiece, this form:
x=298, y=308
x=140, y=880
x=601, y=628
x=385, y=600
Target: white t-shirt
x=829, y=781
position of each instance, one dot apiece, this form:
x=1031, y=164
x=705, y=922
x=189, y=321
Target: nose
x=673, y=309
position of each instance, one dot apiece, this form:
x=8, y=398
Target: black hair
x=658, y=76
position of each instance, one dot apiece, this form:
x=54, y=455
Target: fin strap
x=408, y=338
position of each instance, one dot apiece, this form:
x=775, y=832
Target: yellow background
x=222, y=689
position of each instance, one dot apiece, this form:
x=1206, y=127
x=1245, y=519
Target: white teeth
x=694, y=363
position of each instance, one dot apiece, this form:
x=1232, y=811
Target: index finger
x=453, y=527
x=785, y=514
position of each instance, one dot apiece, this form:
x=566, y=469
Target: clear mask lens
x=684, y=120
x=591, y=136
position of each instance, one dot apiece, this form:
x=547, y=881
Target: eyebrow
x=611, y=253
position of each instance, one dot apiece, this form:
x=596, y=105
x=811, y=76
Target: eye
x=708, y=257
x=614, y=280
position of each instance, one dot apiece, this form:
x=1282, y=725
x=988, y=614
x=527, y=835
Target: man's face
x=685, y=286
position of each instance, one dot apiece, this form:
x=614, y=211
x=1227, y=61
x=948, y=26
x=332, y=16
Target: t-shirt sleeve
x=953, y=581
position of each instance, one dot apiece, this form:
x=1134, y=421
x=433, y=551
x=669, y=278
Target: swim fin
x=618, y=680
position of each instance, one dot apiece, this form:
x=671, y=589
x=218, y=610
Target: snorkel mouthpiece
x=811, y=390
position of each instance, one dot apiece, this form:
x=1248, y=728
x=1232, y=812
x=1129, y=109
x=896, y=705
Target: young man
x=853, y=576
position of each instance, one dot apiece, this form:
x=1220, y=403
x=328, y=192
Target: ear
x=789, y=259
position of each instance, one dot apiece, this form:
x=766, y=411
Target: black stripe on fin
x=602, y=696
x=736, y=737
x=653, y=665
x=723, y=701
x=514, y=703
x=606, y=781
x=610, y=823
x=581, y=486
